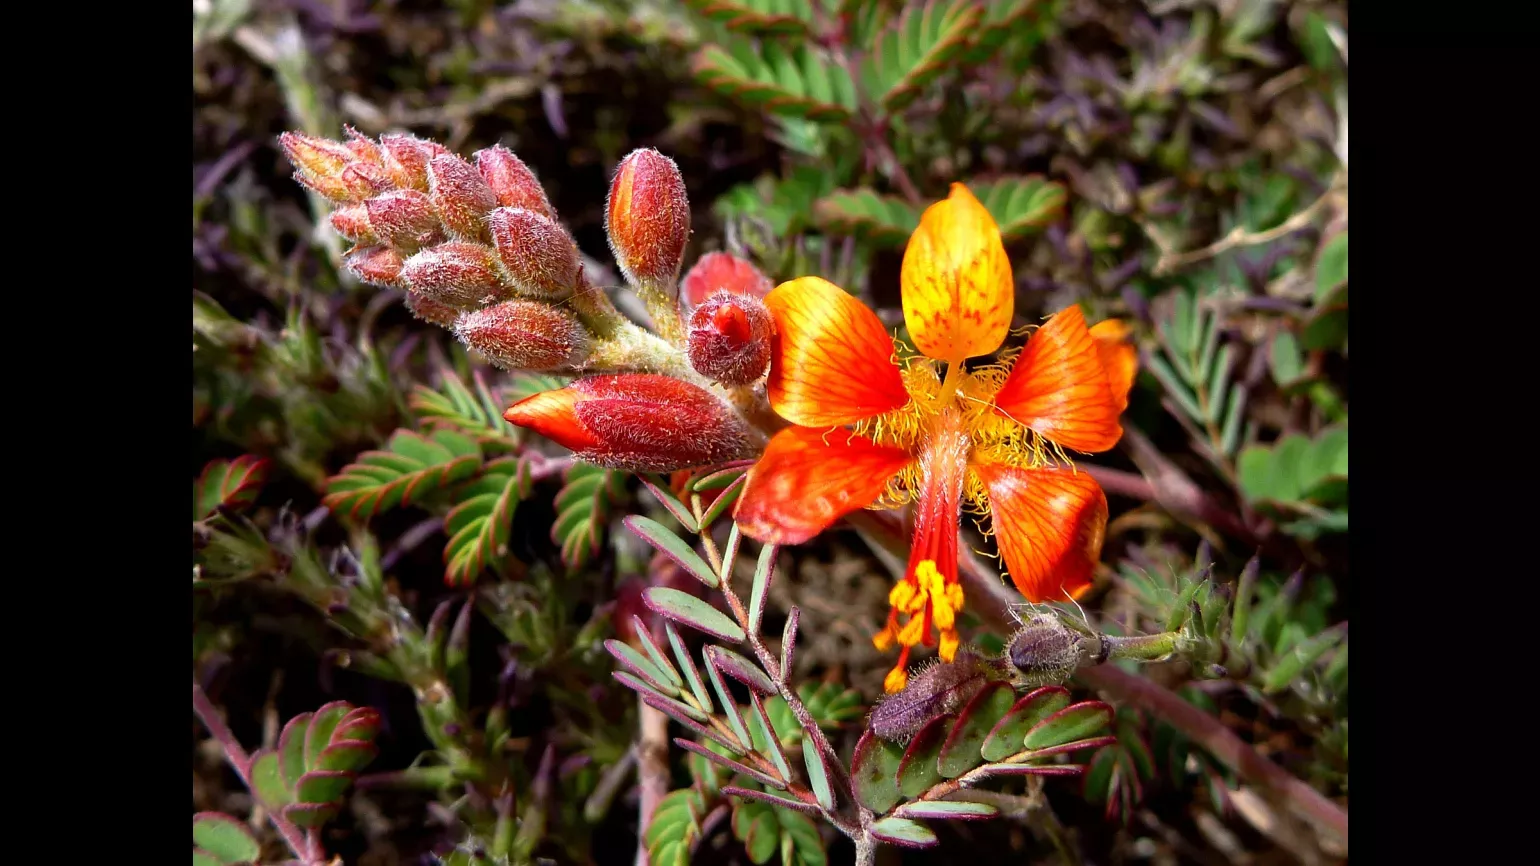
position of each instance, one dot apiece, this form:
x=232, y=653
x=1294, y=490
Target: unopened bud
x=364, y=147
x=429, y=310
x=537, y=253
x=937, y=689
x=406, y=160
x=649, y=218
x=639, y=422
x=1044, y=651
x=376, y=265
x=352, y=222
x=403, y=218
x=462, y=197
x=512, y=181
x=457, y=273
x=316, y=157
x=715, y=271
x=525, y=335
x=729, y=338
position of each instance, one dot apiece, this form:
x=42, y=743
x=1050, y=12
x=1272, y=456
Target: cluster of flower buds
x=479, y=250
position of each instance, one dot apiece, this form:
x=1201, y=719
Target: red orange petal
x=958, y=290
x=1049, y=524
x=1058, y=387
x=803, y=483
x=1118, y=356
x=831, y=359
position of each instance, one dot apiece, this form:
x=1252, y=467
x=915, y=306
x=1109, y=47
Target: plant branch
x=307, y=849
x=1241, y=237
x=652, y=770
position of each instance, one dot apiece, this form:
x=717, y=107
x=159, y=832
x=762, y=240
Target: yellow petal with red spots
x=1049, y=524
x=958, y=290
x=1059, y=388
x=831, y=361
x=1119, y=357
x=808, y=478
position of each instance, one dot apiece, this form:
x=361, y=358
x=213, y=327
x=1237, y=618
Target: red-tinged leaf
x=267, y=779
x=771, y=798
x=674, y=547
x=231, y=484
x=311, y=815
x=582, y=511
x=1006, y=738
x=641, y=666
x=918, y=47
x=688, y=667
x=786, y=18
x=348, y=756
x=291, y=749
x=479, y=524
x=1021, y=205
x=410, y=466
x=904, y=833
x=1069, y=724
x=323, y=722
x=670, y=503
x=817, y=774
x=361, y=723
x=323, y=786
x=947, y=810
x=740, y=669
x=665, y=704
x=224, y=838
x=1033, y=769
x=886, y=220
x=874, y=769
x=705, y=733
x=736, y=766
x=686, y=609
x=729, y=706
x=917, y=772
x=960, y=753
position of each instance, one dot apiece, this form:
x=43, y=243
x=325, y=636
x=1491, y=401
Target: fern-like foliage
x=800, y=81
x=480, y=521
x=476, y=411
x=917, y=48
x=409, y=467
x=229, y=484
x=583, y=508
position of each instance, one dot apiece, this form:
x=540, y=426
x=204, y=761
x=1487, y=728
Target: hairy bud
x=363, y=147
x=403, y=218
x=352, y=222
x=649, y=218
x=639, y=422
x=462, y=197
x=537, y=253
x=937, y=689
x=429, y=310
x=406, y=160
x=376, y=265
x=512, y=181
x=457, y=273
x=716, y=271
x=525, y=335
x=1044, y=651
x=729, y=339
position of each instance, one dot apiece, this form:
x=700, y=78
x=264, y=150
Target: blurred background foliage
x=1181, y=164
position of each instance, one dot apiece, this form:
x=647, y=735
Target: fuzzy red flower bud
x=363, y=147
x=462, y=197
x=639, y=422
x=457, y=273
x=403, y=218
x=714, y=271
x=512, y=181
x=316, y=157
x=406, y=160
x=525, y=335
x=537, y=253
x=376, y=265
x=649, y=218
x=352, y=222
x=729, y=339
x=429, y=310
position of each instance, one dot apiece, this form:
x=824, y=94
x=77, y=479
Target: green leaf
x=764, y=573
x=797, y=82
x=1331, y=267
x=410, y=466
x=1076, y=722
x=817, y=775
x=1021, y=205
x=874, y=770
x=204, y=858
x=231, y=484
x=943, y=810
x=267, y=779
x=961, y=751
x=674, y=547
x=224, y=839
x=1009, y=733
x=675, y=823
x=582, y=511
x=687, y=665
x=915, y=49
x=659, y=488
x=1003, y=20
x=291, y=749
x=801, y=844
x=318, y=735
x=904, y=833
x=684, y=608
x=477, y=414
x=885, y=220
x=917, y=772
x=778, y=17
x=756, y=826
x=479, y=524
x=729, y=706
x=1285, y=358
x=642, y=667
x=323, y=786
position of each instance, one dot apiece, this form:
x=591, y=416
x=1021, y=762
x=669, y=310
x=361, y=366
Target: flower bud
x=940, y=688
x=456, y=273
x=639, y=422
x=406, y=160
x=363, y=147
x=462, y=197
x=352, y=222
x=429, y=310
x=403, y=218
x=714, y=271
x=376, y=265
x=649, y=218
x=536, y=252
x=729, y=338
x=316, y=157
x=525, y=335
x=512, y=181
x=1044, y=651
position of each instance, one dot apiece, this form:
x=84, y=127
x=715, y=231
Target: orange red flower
x=876, y=429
